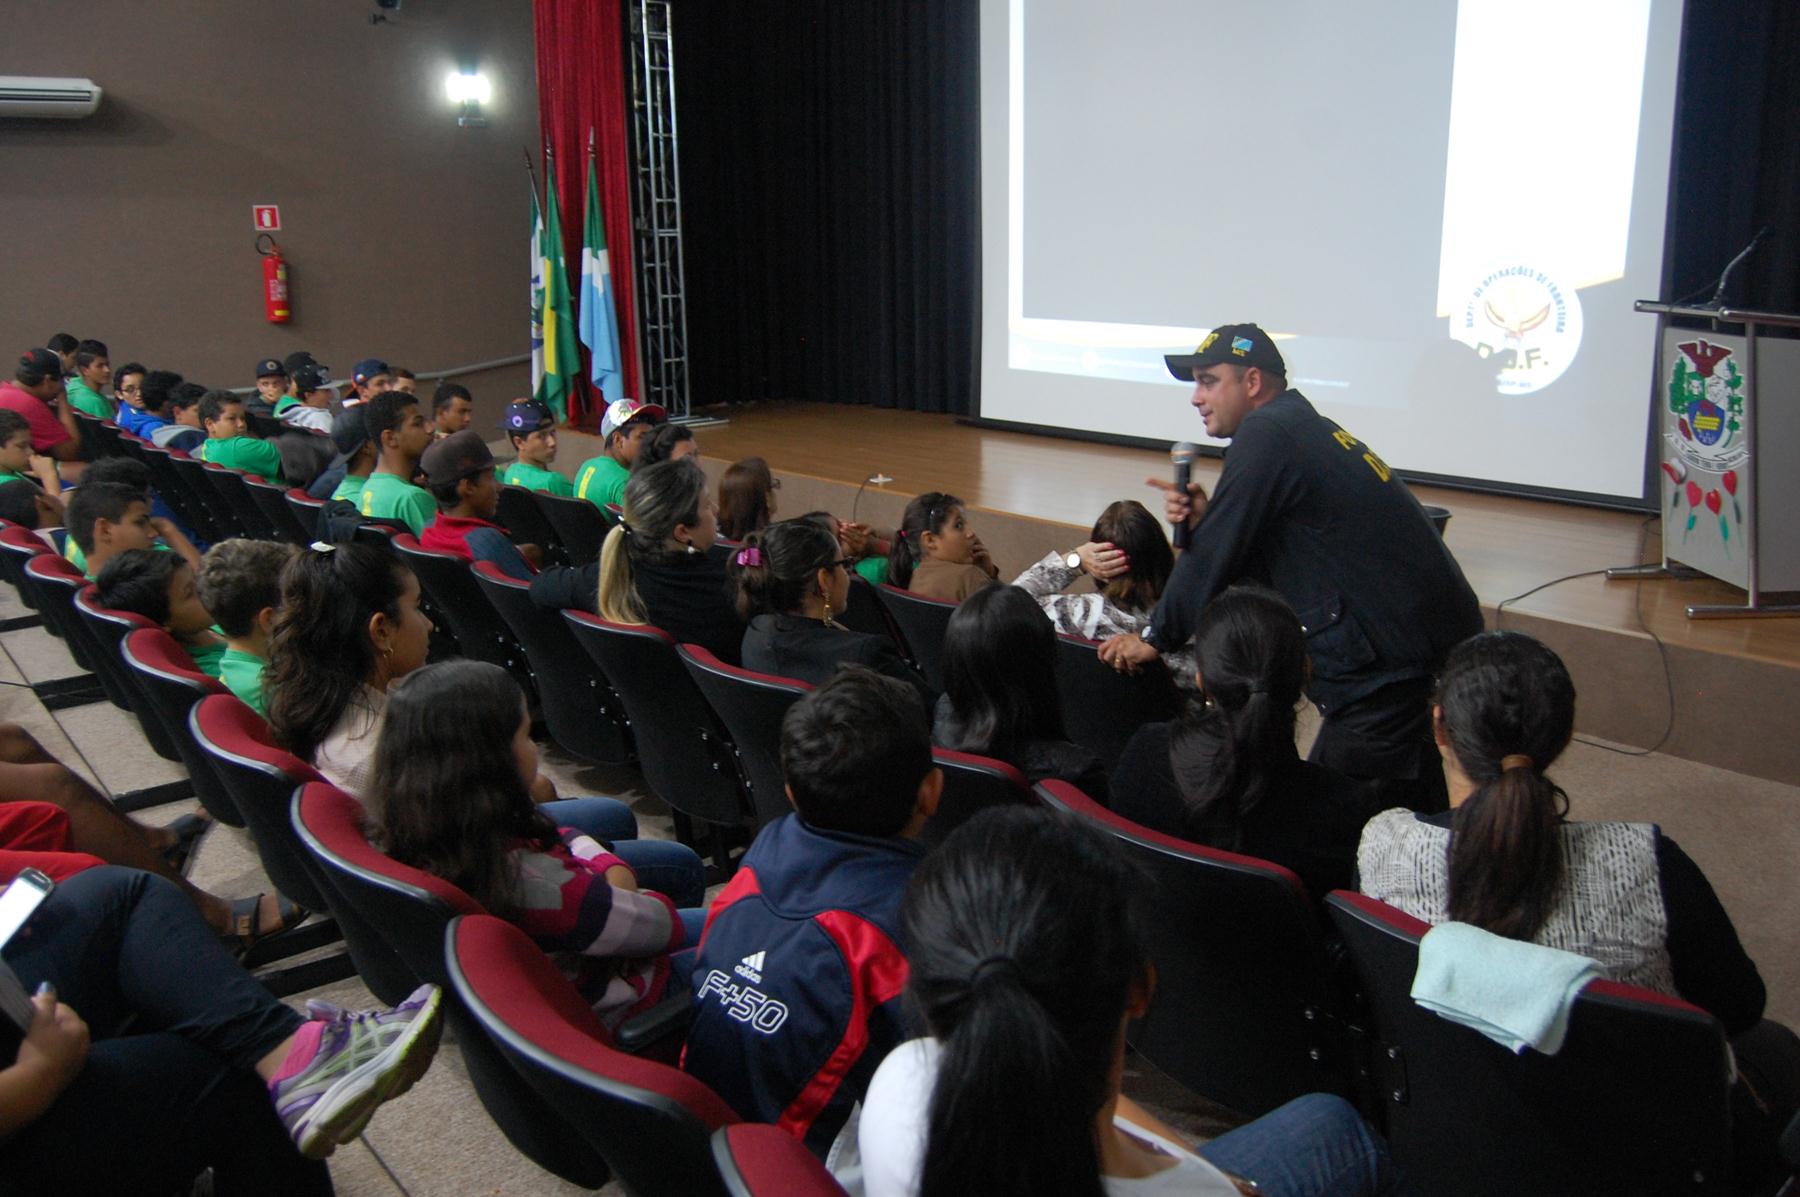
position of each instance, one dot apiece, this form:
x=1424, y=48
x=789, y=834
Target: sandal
x=188, y=829
x=247, y=929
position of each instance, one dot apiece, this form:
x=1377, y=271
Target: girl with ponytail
x=1505, y=858
x=1226, y=774
x=936, y=552
x=662, y=566
x=1026, y=976
x=791, y=578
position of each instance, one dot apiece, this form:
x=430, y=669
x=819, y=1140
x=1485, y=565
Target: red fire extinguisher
x=276, y=308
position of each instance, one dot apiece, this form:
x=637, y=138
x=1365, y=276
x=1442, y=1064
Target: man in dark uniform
x=1304, y=507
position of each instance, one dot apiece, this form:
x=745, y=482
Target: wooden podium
x=1728, y=447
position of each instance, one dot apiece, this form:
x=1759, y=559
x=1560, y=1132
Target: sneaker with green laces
x=358, y=1061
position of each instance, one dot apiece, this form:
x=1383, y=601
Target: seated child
x=107, y=518
x=400, y=435
x=936, y=553
x=17, y=461
x=665, y=442
x=601, y=479
x=183, y=409
x=809, y=925
x=227, y=443
x=240, y=583
x=308, y=401
x=161, y=588
x=460, y=472
x=141, y=411
x=93, y=374
x=452, y=406
x=453, y=773
x=532, y=430
x=271, y=386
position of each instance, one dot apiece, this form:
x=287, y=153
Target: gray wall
x=405, y=234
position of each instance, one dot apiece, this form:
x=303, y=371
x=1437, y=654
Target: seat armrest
x=670, y=1017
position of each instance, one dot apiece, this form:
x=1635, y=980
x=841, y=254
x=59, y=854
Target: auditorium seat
x=17, y=546
x=683, y=749
x=394, y=918
x=1102, y=707
x=758, y=1160
x=173, y=491
x=1243, y=1013
x=306, y=510
x=107, y=629
x=217, y=521
x=1637, y=1100
x=452, y=598
x=752, y=706
x=584, y=716
x=922, y=621
x=579, y=526
x=271, y=501
x=648, y=1120
x=56, y=583
x=863, y=612
x=971, y=784
x=525, y=524
x=170, y=683
x=232, y=490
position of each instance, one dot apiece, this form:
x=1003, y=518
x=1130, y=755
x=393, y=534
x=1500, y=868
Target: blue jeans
x=665, y=866
x=1314, y=1146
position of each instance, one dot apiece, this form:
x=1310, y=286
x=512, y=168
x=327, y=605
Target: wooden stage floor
x=1506, y=545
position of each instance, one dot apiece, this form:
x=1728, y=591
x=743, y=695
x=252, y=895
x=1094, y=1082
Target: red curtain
x=581, y=79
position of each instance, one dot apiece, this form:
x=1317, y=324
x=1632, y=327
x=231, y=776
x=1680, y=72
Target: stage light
x=469, y=87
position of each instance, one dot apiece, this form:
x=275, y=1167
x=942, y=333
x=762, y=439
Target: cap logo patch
x=1240, y=346
x=1207, y=344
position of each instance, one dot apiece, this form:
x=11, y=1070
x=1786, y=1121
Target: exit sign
x=267, y=218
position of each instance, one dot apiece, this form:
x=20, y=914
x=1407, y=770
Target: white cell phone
x=20, y=899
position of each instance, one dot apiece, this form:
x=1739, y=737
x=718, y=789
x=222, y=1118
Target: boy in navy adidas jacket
x=799, y=979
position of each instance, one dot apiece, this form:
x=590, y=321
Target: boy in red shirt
x=459, y=472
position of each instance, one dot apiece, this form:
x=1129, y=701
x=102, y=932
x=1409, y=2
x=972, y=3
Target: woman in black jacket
x=791, y=579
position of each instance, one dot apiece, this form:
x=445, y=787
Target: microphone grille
x=1183, y=451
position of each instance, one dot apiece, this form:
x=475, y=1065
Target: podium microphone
x=1182, y=454
x=1725, y=275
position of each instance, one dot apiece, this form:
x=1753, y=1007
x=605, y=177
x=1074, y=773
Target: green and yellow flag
x=562, y=352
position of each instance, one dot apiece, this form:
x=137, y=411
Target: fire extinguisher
x=276, y=308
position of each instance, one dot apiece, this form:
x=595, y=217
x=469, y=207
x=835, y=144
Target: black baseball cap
x=270, y=368
x=459, y=455
x=350, y=432
x=1239, y=344
x=298, y=358
x=525, y=416
x=311, y=377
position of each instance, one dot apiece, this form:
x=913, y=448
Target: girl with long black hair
x=1227, y=774
x=1028, y=960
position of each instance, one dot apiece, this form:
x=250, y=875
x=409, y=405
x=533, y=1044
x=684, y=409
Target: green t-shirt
x=350, y=489
x=285, y=402
x=74, y=556
x=242, y=674
x=8, y=476
x=601, y=480
x=207, y=657
x=87, y=399
x=390, y=497
x=523, y=473
x=245, y=453
x=873, y=570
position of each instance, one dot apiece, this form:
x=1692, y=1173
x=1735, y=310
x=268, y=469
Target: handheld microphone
x=1182, y=455
x=1725, y=275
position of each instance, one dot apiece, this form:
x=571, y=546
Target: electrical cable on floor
x=1662, y=650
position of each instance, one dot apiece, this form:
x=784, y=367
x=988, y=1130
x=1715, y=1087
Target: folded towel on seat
x=1517, y=994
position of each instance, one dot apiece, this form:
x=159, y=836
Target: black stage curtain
x=830, y=158
x=1737, y=152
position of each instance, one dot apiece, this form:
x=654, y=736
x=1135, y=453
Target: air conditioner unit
x=36, y=98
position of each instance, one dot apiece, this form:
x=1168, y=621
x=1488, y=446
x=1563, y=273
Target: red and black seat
x=922, y=621
x=583, y=714
x=1102, y=707
x=1636, y=1101
x=972, y=784
x=758, y=1160
x=648, y=1120
x=306, y=511
x=752, y=706
x=453, y=597
x=170, y=683
x=217, y=519
x=1243, y=1012
x=107, y=629
x=232, y=488
x=519, y=515
x=579, y=525
x=55, y=583
x=271, y=501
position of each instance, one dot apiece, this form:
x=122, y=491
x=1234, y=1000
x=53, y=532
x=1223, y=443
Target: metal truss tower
x=656, y=210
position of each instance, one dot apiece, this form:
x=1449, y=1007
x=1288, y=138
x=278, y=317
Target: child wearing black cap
x=532, y=430
x=460, y=472
x=271, y=383
x=308, y=401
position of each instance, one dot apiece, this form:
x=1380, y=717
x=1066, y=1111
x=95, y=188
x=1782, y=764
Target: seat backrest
x=216, y=519
x=17, y=546
x=758, y=1160
x=56, y=583
x=261, y=776
x=244, y=508
x=683, y=749
x=1102, y=707
x=864, y=612
x=306, y=511
x=1243, y=1012
x=752, y=706
x=93, y=446
x=650, y=1121
x=271, y=500
x=519, y=515
x=922, y=621
x=392, y=914
x=1637, y=1100
x=167, y=678
x=972, y=783
x=450, y=588
x=583, y=714
x=170, y=488
x=578, y=524
x=106, y=630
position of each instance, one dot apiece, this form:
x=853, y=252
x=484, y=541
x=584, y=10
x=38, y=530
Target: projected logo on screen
x=1525, y=322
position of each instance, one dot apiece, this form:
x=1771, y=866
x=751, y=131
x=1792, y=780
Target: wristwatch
x=1073, y=561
